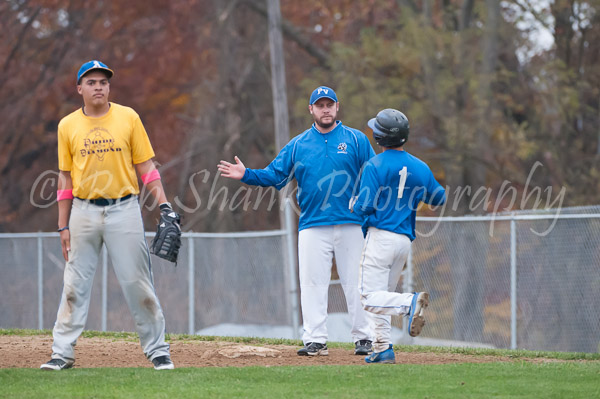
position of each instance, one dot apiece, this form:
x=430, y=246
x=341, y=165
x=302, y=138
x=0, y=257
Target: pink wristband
x=150, y=176
x=64, y=194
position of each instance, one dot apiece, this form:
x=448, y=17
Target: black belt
x=105, y=201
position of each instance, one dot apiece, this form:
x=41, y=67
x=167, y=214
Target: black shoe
x=313, y=349
x=56, y=364
x=363, y=347
x=163, y=363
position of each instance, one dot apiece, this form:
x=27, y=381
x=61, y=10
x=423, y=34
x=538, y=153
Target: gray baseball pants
x=120, y=228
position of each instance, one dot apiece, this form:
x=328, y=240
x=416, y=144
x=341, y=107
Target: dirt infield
x=32, y=351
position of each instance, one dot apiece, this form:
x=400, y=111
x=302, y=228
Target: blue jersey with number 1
x=392, y=185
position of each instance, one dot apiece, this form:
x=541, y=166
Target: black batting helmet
x=390, y=128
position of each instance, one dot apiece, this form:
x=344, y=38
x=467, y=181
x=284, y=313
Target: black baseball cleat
x=314, y=349
x=163, y=363
x=363, y=347
x=56, y=364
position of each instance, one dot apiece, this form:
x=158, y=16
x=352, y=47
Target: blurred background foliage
x=487, y=97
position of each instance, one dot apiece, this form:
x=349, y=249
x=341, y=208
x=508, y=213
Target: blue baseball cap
x=322, y=92
x=92, y=66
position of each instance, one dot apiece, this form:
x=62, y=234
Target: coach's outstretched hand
x=234, y=171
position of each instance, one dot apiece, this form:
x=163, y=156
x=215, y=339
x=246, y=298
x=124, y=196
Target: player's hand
x=65, y=243
x=234, y=171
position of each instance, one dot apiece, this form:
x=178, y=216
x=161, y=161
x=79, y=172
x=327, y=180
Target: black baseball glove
x=167, y=241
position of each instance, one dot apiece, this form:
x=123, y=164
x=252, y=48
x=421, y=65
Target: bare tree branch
x=20, y=40
x=529, y=8
x=292, y=33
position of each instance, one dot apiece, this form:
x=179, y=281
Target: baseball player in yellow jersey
x=100, y=148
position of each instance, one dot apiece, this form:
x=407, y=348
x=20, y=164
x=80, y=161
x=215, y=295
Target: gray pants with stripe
x=120, y=228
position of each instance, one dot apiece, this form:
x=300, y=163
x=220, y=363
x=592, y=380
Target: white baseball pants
x=316, y=248
x=120, y=228
x=383, y=259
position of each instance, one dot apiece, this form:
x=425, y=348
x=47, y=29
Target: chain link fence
x=511, y=281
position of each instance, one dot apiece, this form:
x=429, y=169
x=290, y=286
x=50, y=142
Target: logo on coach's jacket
x=342, y=147
x=98, y=142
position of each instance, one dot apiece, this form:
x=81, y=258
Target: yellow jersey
x=101, y=152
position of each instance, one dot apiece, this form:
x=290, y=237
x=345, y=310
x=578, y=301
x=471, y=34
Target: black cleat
x=363, y=347
x=163, y=363
x=314, y=349
x=56, y=364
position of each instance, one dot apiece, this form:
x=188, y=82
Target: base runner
x=392, y=185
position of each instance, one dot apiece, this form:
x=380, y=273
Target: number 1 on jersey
x=403, y=173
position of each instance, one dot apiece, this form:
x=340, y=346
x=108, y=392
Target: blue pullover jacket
x=326, y=167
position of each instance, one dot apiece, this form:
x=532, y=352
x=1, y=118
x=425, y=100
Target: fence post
x=291, y=263
x=40, y=282
x=191, y=284
x=104, y=287
x=513, y=283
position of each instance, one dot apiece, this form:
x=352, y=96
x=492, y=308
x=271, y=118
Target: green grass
x=579, y=377
x=497, y=380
